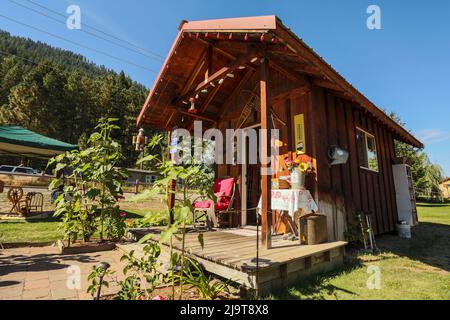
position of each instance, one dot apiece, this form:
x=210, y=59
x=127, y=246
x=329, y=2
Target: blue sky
x=404, y=67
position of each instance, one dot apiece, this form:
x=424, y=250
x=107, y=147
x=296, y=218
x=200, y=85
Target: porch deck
x=231, y=254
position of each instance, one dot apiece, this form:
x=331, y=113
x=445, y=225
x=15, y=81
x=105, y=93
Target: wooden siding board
x=325, y=203
x=353, y=165
x=336, y=177
x=388, y=181
x=345, y=168
x=386, y=211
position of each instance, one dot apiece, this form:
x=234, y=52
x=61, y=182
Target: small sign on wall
x=300, y=140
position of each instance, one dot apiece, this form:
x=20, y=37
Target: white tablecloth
x=291, y=201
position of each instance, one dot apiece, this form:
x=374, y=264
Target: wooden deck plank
x=233, y=256
x=238, y=251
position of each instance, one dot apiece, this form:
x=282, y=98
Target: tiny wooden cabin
x=221, y=65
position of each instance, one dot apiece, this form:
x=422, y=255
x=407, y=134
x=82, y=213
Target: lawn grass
x=33, y=231
x=43, y=230
x=413, y=269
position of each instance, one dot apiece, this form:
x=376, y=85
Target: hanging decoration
x=192, y=109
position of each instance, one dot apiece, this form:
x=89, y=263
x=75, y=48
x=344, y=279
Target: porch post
x=266, y=215
x=172, y=185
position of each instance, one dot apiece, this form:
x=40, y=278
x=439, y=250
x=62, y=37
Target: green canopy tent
x=18, y=141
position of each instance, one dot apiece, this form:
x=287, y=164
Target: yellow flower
x=303, y=167
x=297, y=161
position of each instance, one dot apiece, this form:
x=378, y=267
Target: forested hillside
x=62, y=95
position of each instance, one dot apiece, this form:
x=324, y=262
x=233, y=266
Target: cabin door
x=251, y=180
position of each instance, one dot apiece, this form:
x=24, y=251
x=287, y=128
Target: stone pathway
x=41, y=273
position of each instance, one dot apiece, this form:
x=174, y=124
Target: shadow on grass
x=430, y=244
x=317, y=287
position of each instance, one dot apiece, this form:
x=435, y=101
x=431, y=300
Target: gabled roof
x=183, y=68
x=19, y=141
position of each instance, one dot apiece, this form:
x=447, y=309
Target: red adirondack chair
x=224, y=190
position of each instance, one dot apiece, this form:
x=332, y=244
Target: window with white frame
x=367, y=150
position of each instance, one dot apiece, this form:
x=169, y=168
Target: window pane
x=362, y=151
x=372, y=153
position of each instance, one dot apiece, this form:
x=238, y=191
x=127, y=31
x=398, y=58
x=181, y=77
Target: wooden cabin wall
x=345, y=189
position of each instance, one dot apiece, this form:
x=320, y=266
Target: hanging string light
x=218, y=36
x=230, y=36
x=246, y=37
x=262, y=37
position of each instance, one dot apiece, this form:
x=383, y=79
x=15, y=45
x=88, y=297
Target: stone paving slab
x=42, y=274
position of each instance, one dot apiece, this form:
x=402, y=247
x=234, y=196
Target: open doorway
x=251, y=178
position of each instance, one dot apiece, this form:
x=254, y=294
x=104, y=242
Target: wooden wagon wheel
x=15, y=194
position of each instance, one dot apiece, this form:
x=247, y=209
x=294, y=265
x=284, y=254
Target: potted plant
x=298, y=170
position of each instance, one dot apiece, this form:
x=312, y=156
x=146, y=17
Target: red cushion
x=203, y=204
x=223, y=190
x=222, y=204
x=224, y=186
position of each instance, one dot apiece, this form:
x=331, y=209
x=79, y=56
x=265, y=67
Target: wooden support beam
x=326, y=84
x=193, y=115
x=266, y=215
x=236, y=91
x=188, y=84
x=209, y=55
x=208, y=101
x=217, y=76
x=292, y=75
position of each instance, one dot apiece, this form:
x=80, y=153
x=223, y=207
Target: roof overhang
x=272, y=26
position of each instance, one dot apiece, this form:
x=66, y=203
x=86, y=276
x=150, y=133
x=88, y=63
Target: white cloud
x=433, y=135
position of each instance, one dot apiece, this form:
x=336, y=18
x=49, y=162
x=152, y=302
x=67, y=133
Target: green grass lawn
x=410, y=269
x=41, y=230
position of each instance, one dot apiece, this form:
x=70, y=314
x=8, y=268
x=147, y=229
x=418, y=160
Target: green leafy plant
x=192, y=175
x=92, y=184
x=99, y=278
x=115, y=226
x=143, y=273
x=194, y=275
